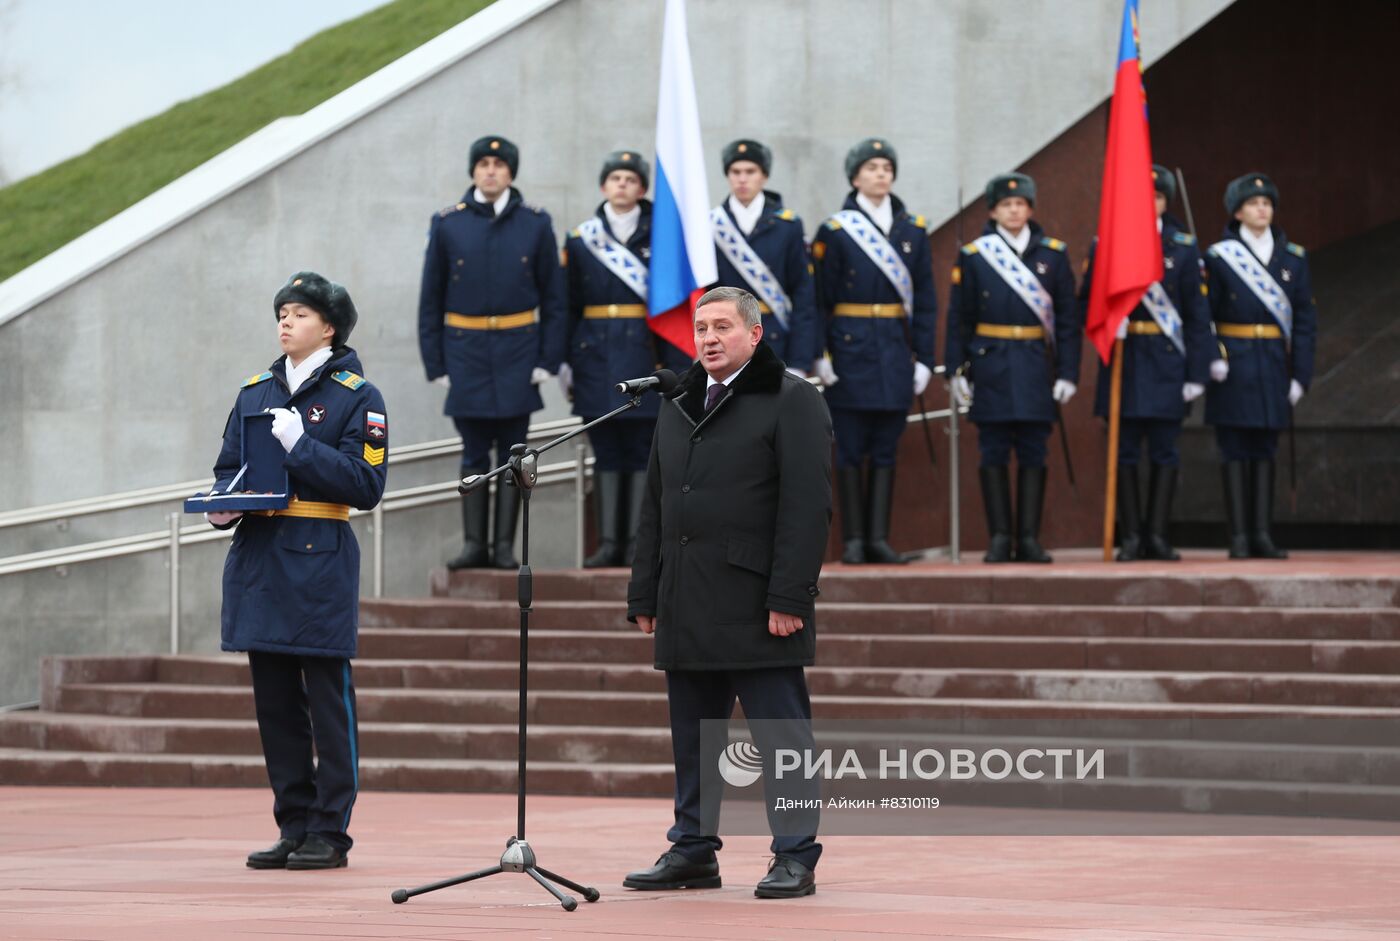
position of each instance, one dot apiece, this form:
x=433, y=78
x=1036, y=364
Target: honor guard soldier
x=1014, y=342
x=1260, y=295
x=491, y=328
x=761, y=248
x=875, y=291
x=1166, y=363
x=606, y=260
x=292, y=579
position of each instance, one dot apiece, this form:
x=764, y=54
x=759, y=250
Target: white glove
x=922, y=374
x=1063, y=391
x=286, y=427
x=1295, y=391
x=962, y=391
x=566, y=379
x=539, y=374
x=1219, y=370
x=1192, y=391
x=825, y=373
x=797, y=372
x=444, y=380
x=223, y=517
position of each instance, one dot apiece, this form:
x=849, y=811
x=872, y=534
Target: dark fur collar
x=762, y=376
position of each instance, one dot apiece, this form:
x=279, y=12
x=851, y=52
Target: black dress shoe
x=275, y=856
x=316, y=853
x=674, y=871
x=786, y=879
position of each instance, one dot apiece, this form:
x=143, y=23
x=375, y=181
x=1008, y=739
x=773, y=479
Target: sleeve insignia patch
x=819, y=250
x=376, y=426
x=957, y=274
x=373, y=456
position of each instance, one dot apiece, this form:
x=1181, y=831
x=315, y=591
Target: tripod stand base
x=518, y=857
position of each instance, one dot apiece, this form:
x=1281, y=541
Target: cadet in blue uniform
x=491, y=327
x=1166, y=363
x=1260, y=294
x=606, y=263
x=1009, y=287
x=761, y=248
x=875, y=291
x=292, y=577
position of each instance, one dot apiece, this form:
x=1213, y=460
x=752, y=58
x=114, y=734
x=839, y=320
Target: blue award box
x=261, y=484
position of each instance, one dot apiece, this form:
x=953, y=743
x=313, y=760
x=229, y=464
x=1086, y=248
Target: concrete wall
x=123, y=380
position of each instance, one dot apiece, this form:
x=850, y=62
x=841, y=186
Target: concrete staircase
x=960, y=648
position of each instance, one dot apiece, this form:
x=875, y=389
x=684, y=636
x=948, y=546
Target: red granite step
x=924, y=619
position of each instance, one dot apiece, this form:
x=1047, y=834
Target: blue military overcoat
x=873, y=357
x=777, y=238
x=292, y=584
x=1153, y=369
x=604, y=352
x=1255, y=395
x=1012, y=378
x=481, y=264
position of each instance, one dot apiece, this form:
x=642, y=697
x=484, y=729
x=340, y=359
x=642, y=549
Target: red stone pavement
x=127, y=864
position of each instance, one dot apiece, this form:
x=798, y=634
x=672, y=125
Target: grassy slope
x=41, y=213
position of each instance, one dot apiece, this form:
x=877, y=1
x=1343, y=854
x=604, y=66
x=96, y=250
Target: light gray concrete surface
x=124, y=379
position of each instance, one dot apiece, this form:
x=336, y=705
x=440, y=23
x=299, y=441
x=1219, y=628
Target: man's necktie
x=713, y=394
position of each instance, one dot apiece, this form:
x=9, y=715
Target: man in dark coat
x=738, y=505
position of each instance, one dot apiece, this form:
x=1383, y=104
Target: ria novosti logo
x=741, y=764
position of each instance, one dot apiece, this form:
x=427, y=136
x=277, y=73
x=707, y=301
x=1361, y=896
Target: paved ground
x=127, y=864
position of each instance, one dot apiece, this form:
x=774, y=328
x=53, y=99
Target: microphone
x=663, y=381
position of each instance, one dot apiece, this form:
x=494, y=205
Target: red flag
x=1128, y=257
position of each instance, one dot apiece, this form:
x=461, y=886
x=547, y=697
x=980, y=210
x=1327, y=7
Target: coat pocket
x=751, y=554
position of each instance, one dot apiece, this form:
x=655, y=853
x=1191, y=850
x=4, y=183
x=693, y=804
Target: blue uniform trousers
x=1246, y=444
x=621, y=445
x=301, y=701
x=774, y=693
x=862, y=433
x=995, y=440
x=480, y=434
x=1161, y=435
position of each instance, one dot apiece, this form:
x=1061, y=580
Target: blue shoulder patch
x=921, y=222
x=787, y=215
x=348, y=379
x=833, y=224
x=1297, y=249
x=1183, y=238
x=1054, y=244
x=970, y=248
x=254, y=380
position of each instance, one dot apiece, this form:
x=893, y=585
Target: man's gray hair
x=743, y=301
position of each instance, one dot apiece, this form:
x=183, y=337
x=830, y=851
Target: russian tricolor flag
x=1129, y=254
x=682, y=245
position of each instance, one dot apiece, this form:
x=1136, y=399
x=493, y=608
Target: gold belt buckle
x=1259, y=331
x=875, y=309
x=491, y=321
x=1016, y=331
x=612, y=310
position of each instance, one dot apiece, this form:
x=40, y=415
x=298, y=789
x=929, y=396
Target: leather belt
x=311, y=509
x=614, y=311
x=1249, y=331
x=1005, y=331
x=868, y=310
x=491, y=322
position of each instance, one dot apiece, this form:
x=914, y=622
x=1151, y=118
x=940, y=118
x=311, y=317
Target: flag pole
x=1115, y=405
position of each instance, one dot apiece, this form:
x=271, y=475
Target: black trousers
x=301, y=701
x=777, y=693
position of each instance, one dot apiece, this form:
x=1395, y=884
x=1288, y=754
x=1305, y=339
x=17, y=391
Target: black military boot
x=996, y=497
x=1030, y=501
x=848, y=491
x=507, y=515
x=1261, y=540
x=877, y=519
x=1232, y=475
x=1129, y=514
x=1160, y=487
x=474, y=522
x=607, y=494
x=632, y=503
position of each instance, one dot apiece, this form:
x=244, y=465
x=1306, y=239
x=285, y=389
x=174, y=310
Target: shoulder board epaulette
x=348, y=379
x=1054, y=244
x=787, y=215
x=1212, y=252
x=1297, y=249
x=921, y=222
x=833, y=224
x=1183, y=238
x=254, y=380
x=449, y=210
x=574, y=234
x=533, y=208
x=970, y=248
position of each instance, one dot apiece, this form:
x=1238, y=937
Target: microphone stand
x=519, y=857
